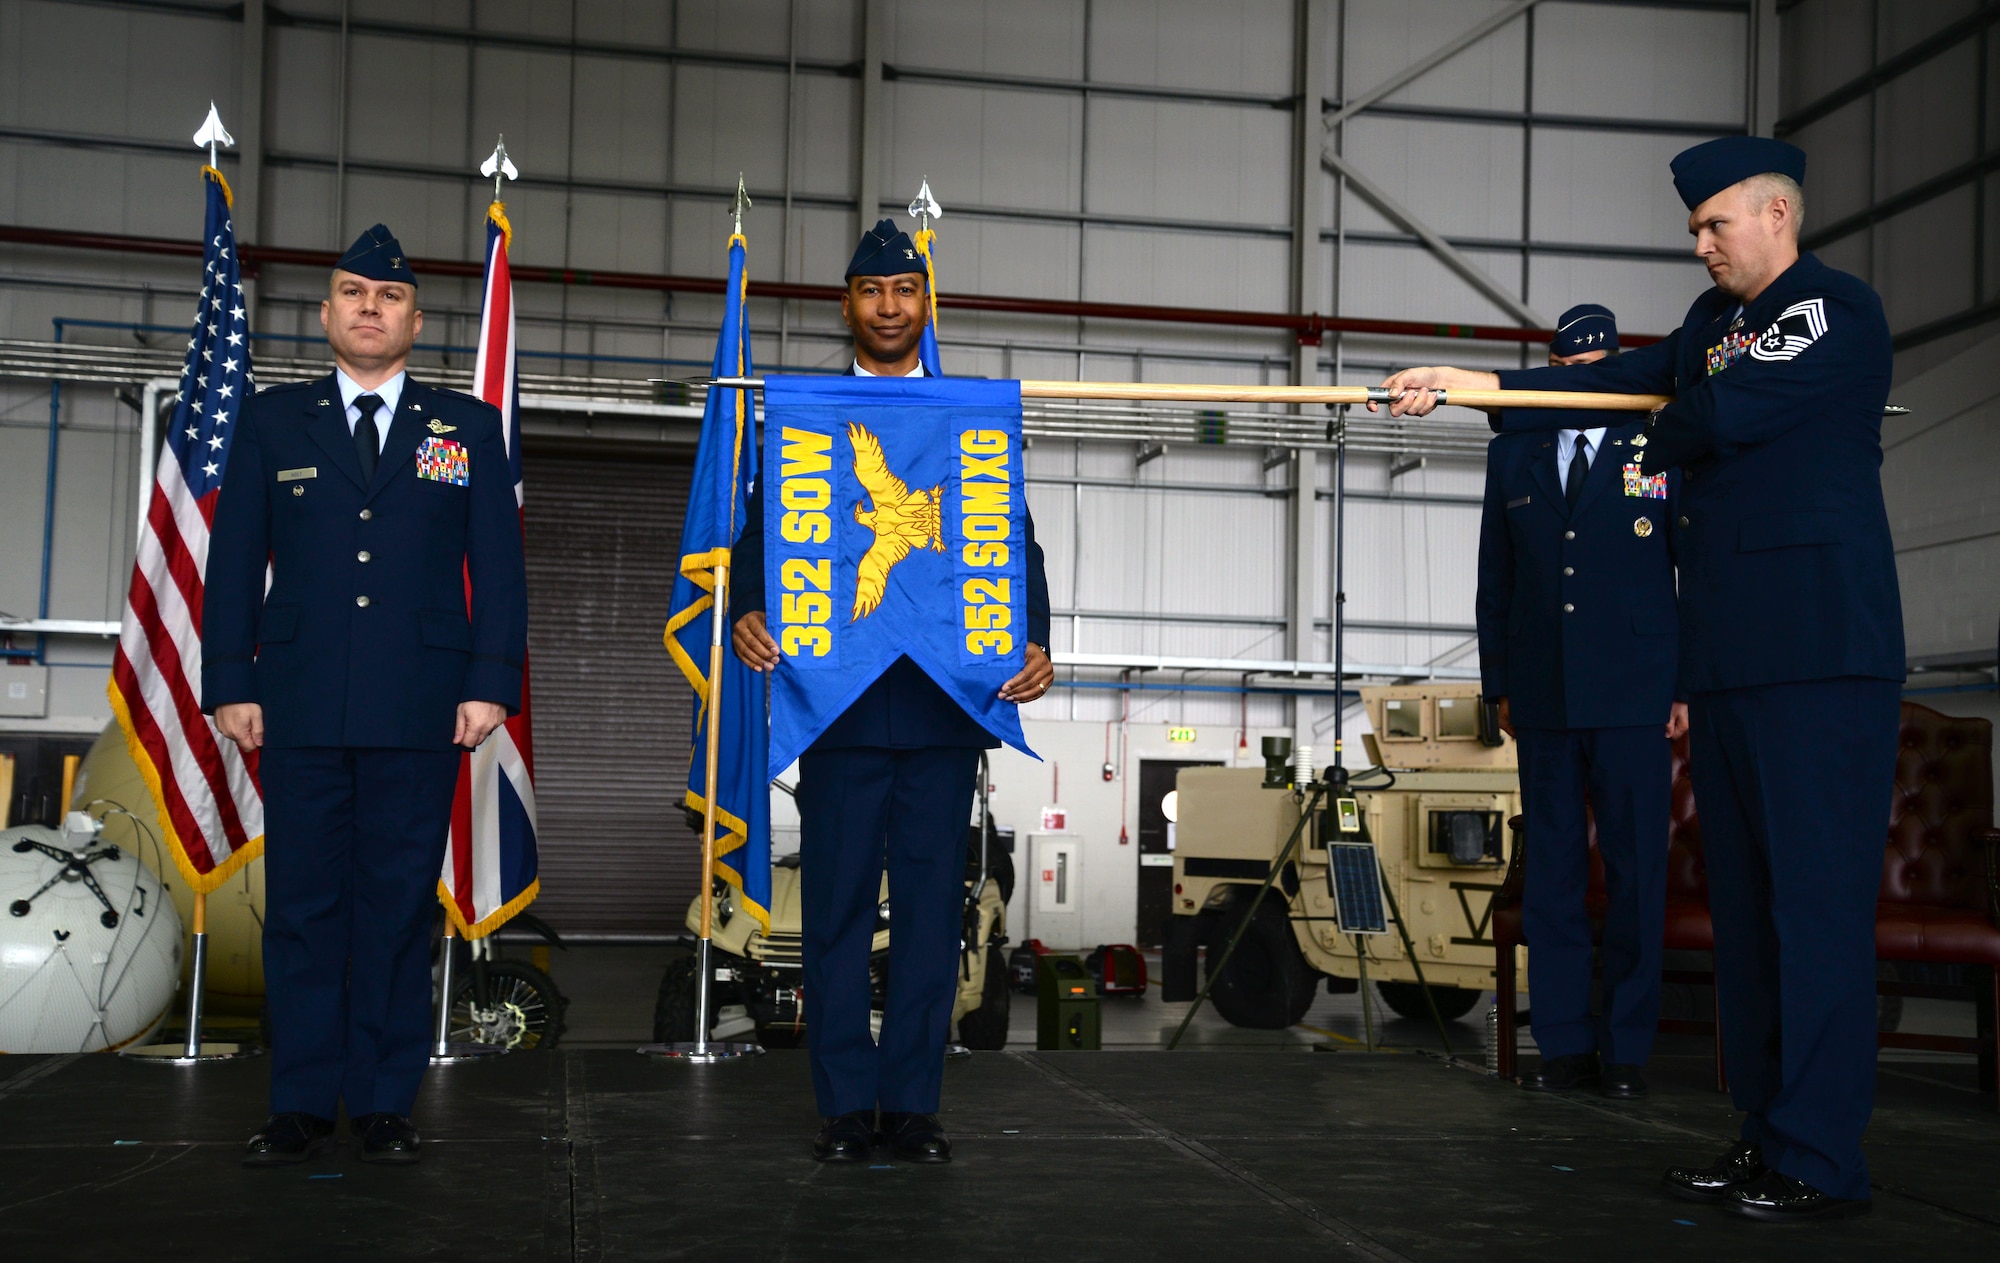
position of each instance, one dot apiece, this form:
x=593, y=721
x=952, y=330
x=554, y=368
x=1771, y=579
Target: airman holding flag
x=888, y=776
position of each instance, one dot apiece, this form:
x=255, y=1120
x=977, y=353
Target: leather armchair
x=1940, y=899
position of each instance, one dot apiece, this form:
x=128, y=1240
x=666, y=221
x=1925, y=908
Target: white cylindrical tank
x=90, y=944
x=235, y=909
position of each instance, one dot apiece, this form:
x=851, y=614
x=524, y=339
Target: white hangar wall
x=1110, y=151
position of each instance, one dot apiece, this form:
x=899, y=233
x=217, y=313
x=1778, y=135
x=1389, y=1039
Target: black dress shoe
x=288, y=1138
x=1777, y=1198
x=1563, y=1074
x=916, y=1137
x=1624, y=1083
x=846, y=1138
x=1739, y=1166
x=386, y=1138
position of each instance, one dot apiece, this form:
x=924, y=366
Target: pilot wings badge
x=1796, y=328
x=901, y=519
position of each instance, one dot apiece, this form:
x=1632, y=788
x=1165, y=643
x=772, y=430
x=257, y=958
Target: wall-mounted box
x=24, y=691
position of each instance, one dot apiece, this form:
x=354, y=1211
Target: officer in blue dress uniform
x=892, y=780
x=360, y=677
x=1577, y=637
x=1791, y=656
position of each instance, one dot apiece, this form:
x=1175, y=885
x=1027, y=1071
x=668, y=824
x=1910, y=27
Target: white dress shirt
x=859, y=371
x=1566, y=450
x=389, y=392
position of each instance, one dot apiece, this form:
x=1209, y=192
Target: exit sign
x=1182, y=735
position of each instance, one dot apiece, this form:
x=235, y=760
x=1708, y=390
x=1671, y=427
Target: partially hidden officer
x=890, y=781
x=361, y=677
x=1791, y=655
x=1577, y=638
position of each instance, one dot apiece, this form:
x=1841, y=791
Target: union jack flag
x=490, y=869
x=204, y=790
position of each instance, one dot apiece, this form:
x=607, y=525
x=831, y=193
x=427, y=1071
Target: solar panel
x=1356, y=877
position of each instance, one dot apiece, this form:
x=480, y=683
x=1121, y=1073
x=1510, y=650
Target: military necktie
x=367, y=439
x=1579, y=468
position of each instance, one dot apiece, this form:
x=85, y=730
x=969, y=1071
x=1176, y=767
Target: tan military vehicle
x=764, y=972
x=1436, y=807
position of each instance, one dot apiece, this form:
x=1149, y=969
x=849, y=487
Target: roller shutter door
x=612, y=713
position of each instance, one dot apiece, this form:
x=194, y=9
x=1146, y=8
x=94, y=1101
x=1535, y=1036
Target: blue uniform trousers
x=1794, y=784
x=354, y=841
x=1628, y=775
x=860, y=807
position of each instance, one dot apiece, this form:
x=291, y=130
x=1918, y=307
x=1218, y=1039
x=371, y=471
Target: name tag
x=1515, y=504
x=442, y=460
x=294, y=475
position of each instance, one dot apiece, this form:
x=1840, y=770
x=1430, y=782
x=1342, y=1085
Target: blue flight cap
x=1712, y=166
x=885, y=250
x=377, y=255
x=1585, y=327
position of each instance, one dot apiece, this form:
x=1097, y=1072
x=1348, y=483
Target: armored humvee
x=1435, y=805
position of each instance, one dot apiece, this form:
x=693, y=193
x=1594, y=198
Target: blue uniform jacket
x=904, y=709
x=1787, y=571
x=1577, y=626
x=364, y=639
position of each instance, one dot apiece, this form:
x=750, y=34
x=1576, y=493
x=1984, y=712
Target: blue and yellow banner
x=725, y=466
x=895, y=524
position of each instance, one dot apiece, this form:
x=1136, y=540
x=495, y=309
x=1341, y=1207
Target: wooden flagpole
x=1176, y=392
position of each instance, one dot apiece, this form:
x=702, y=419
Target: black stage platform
x=1117, y=1155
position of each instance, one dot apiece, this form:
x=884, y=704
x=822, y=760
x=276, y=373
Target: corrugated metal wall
x=1892, y=104
x=612, y=715
x=1121, y=150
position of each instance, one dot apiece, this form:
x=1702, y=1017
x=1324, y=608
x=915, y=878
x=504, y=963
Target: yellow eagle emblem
x=901, y=519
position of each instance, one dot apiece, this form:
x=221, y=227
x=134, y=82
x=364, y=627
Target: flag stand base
x=193, y=1051
x=701, y=1050
x=178, y=1054
x=703, y=1053
x=445, y=1051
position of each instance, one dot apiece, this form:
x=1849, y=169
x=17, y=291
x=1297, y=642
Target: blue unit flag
x=725, y=466
x=895, y=525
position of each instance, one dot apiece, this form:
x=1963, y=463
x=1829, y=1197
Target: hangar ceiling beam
x=1309, y=80
x=1760, y=90
x=1447, y=253
x=1333, y=161
x=868, y=182
x=1424, y=65
x=250, y=129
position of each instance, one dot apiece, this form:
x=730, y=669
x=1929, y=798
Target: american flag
x=205, y=791
x=490, y=870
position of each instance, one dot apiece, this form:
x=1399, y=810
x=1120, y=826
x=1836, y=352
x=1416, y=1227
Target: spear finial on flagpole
x=499, y=166
x=740, y=203
x=924, y=208
x=212, y=133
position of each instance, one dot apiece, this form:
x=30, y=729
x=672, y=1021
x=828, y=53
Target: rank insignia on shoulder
x=442, y=460
x=439, y=427
x=1643, y=527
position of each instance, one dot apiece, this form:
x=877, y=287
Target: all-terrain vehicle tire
x=1406, y=999
x=1267, y=985
x=523, y=1010
x=673, y=1008
x=985, y=1028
